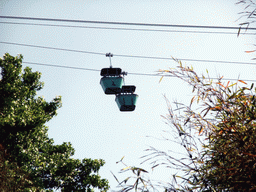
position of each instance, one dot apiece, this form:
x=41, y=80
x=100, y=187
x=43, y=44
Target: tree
x=11, y=176
x=249, y=14
x=27, y=154
x=228, y=161
x=219, y=138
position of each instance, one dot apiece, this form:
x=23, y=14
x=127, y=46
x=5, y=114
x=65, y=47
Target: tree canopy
x=29, y=160
x=227, y=160
x=219, y=138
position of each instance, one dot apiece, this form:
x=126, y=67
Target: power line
x=182, y=59
x=60, y=49
x=124, y=23
x=128, y=29
x=62, y=66
x=129, y=56
x=87, y=69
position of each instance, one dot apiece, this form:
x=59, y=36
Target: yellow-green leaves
x=161, y=79
x=192, y=100
x=126, y=168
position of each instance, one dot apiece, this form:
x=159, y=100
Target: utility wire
x=62, y=66
x=60, y=49
x=129, y=56
x=124, y=23
x=182, y=59
x=87, y=69
x=128, y=29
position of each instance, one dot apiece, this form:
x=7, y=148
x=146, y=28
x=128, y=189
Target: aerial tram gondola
x=112, y=84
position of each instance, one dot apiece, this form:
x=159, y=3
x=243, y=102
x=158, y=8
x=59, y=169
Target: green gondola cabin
x=112, y=80
x=126, y=99
x=112, y=84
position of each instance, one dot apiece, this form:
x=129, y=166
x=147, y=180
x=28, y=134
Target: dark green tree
x=27, y=154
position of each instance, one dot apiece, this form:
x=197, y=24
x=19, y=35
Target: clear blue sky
x=89, y=119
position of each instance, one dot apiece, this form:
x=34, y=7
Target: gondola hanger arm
x=109, y=55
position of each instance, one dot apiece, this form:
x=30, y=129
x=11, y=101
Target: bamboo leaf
x=114, y=176
x=180, y=63
x=198, y=99
x=163, y=116
x=245, y=138
x=182, y=130
x=192, y=100
x=143, y=182
x=154, y=166
x=249, y=154
x=232, y=85
x=174, y=177
x=191, y=149
x=126, y=168
x=187, y=120
x=221, y=85
x=250, y=51
x=242, y=81
x=239, y=30
x=208, y=109
x=136, y=184
x=143, y=170
x=201, y=130
x=161, y=79
x=251, y=13
x=125, y=181
x=252, y=85
x=227, y=85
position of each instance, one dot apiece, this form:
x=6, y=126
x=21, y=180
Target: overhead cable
x=61, y=66
x=87, y=69
x=130, y=56
x=124, y=23
x=128, y=29
x=44, y=47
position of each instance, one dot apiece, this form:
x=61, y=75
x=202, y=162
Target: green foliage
x=249, y=12
x=219, y=141
x=248, y=17
x=232, y=144
x=228, y=161
x=29, y=159
x=12, y=177
x=140, y=182
x=219, y=138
